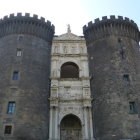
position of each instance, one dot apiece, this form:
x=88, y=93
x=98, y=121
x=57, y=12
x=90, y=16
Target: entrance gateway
x=70, y=98
x=70, y=128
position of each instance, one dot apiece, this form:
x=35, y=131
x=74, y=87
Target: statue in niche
x=54, y=73
x=73, y=50
x=122, y=53
x=67, y=90
x=54, y=92
x=86, y=92
x=65, y=49
x=82, y=49
x=55, y=49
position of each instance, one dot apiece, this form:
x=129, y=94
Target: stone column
x=50, y=129
x=53, y=131
x=56, y=122
x=91, y=124
x=86, y=124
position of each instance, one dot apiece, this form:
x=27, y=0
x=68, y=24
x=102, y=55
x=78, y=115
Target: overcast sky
x=77, y=13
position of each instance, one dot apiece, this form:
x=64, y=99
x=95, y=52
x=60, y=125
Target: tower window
x=69, y=70
x=19, y=52
x=132, y=107
x=119, y=40
x=8, y=129
x=20, y=37
x=11, y=108
x=15, y=75
x=126, y=77
x=122, y=53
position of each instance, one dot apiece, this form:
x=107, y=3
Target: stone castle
x=69, y=87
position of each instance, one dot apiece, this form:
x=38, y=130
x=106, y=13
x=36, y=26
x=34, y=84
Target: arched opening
x=70, y=128
x=69, y=70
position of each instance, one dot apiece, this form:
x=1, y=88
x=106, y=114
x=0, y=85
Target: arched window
x=69, y=70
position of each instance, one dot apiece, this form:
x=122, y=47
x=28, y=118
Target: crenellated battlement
x=121, y=26
x=26, y=25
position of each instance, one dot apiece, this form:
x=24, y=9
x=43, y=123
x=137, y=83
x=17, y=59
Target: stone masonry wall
x=31, y=118
x=30, y=92
x=32, y=38
x=112, y=55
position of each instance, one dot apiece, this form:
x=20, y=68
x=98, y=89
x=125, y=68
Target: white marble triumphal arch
x=70, y=97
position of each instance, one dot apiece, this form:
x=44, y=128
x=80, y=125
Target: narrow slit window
x=122, y=53
x=15, y=75
x=132, y=107
x=20, y=37
x=126, y=77
x=19, y=52
x=119, y=40
x=8, y=129
x=11, y=108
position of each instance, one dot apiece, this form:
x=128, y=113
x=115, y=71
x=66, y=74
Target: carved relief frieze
x=75, y=110
x=55, y=49
x=54, y=73
x=65, y=49
x=54, y=83
x=70, y=93
x=86, y=93
x=67, y=90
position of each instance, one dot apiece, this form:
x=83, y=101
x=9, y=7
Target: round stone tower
x=113, y=48
x=25, y=45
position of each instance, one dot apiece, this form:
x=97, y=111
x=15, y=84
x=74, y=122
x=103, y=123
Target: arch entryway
x=69, y=70
x=70, y=128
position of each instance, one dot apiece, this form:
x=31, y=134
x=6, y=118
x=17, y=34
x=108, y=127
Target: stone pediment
x=68, y=36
